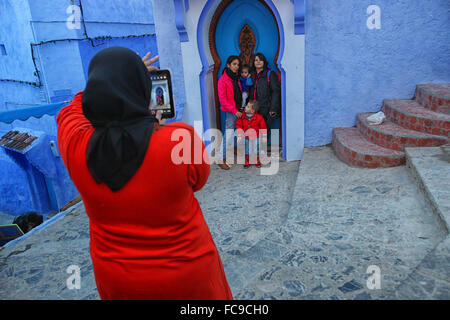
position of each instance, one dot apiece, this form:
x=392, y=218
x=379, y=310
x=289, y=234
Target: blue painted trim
x=2, y=50
x=179, y=20
x=51, y=193
x=25, y=113
x=299, y=16
x=44, y=225
x=205, y=64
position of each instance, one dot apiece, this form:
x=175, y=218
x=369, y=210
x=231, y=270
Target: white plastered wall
x=293, y=62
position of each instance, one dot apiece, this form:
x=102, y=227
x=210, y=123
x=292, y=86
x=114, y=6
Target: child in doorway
x=246, y=82
x=252, y=126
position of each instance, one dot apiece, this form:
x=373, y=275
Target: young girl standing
x=252, y=126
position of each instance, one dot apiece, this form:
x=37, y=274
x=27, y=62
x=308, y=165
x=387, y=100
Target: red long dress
x=149, y=240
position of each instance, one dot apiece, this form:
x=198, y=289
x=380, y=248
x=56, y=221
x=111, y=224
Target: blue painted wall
x=351, y=69
x=18, y=83
x=37, y=29
x=35, y=180
x=14, y=187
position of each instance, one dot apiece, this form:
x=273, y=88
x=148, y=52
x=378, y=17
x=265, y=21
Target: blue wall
x=16, y=195
x=38, y=29
x=16, y=61
x=36, y=180
x=15, y=191
x=351, y=69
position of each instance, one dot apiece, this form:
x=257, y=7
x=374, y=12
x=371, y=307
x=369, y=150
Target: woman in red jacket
x=148, y=237
x=230, y=97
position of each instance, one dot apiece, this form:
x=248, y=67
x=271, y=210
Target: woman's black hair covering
x=116, y=101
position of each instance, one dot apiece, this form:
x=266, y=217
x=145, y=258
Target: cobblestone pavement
x=308, y=232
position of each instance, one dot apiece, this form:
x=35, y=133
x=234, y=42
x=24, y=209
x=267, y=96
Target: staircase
x=421, y=122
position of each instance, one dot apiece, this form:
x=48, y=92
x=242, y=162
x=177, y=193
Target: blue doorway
x=255, y=19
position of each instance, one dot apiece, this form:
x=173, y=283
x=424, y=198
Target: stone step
x=435, y=97
x=431, y=170
x=411, y=115
x=352, y=148
x=392, y=136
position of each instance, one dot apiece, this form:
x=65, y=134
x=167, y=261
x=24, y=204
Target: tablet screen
x=160, y=96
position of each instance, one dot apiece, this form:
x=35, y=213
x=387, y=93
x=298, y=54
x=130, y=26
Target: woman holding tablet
x=148, y=237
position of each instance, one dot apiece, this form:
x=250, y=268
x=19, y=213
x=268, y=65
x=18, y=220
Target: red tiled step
x=351, y=148
x=435, y=97
x=393, y=136
x=411, y=115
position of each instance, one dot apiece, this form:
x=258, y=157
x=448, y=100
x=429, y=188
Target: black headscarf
x=116, y=101
x=236, y=89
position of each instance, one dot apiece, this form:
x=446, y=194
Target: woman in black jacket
x=266, y=90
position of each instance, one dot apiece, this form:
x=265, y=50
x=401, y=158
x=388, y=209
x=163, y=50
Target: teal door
x=234, y=18
x=246, y=27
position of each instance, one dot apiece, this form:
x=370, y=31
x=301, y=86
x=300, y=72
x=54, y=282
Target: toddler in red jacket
x=251, y=126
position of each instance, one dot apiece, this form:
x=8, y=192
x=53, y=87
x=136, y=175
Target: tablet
x=161, y=95
x=9, y=232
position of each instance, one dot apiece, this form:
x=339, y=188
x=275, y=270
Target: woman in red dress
x=148, y=237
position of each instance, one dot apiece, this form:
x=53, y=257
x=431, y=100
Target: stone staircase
x=423, y=121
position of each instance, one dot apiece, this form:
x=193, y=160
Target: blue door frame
x=236, y=15
x=203, y=47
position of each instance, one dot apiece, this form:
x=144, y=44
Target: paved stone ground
x=308, y=232
x=341, y=221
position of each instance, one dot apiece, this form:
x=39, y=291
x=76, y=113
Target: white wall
x=293, y=62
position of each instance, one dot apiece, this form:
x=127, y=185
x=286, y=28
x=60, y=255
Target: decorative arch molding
x=181, y=6
x=299, y=16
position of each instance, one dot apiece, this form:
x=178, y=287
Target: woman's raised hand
x=148, y=62
x=159, y=116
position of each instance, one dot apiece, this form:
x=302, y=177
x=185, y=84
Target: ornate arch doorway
x=242, y=28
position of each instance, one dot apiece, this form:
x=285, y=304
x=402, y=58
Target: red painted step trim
x=411, y=115
x=351, y=147
x=393, y=136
